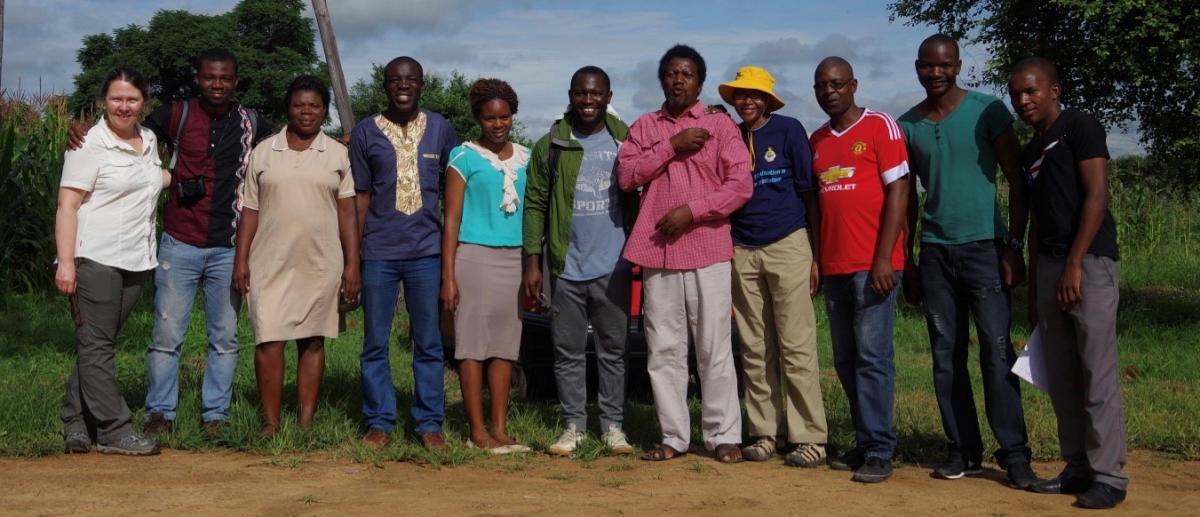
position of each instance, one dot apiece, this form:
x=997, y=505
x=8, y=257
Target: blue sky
x=536, y=45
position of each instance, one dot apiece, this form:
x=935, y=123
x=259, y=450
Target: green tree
x=1122, y=60
x=447, y=97
x=272, y=40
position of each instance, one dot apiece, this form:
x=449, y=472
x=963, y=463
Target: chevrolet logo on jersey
x=835, y=173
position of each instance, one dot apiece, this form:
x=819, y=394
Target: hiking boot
x=615, y=439
x=212, y=429
x=568, y=441
x=761, y=450
x=874, y=470
x=1101, y=496
x=849, y=460
x=1020, y=475
x=434, y=441
x=155, y=425
x=77, y=443
x=956, y=466
x=132, y=444
x=376, y=438
x=806, y=455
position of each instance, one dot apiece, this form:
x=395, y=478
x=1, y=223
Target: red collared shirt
x=713, y=182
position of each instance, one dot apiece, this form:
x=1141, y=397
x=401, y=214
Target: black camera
x=190, y=190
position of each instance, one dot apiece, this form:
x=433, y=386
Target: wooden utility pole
x=341, y=95
x=1, y=41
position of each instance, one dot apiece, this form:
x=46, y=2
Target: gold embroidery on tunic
x=408, y=177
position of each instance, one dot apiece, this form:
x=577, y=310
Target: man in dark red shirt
x=210, y=137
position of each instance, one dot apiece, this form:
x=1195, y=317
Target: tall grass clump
x=1157, y=227
x=32, y=133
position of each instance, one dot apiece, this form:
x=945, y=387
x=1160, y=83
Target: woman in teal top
x=481, y=254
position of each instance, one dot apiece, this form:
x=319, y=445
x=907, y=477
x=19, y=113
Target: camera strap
x=183, y=113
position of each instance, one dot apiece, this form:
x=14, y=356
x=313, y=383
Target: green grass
x=1159, y=330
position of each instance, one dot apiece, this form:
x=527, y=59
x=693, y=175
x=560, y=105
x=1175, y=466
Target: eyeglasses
x=820, y=86
x=741, y=94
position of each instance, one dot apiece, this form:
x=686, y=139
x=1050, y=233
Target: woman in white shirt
x=104, y=231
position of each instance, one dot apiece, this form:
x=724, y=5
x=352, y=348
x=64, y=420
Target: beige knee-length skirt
x=487, y=323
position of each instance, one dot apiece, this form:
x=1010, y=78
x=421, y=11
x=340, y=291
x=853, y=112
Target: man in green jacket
x=576, y=213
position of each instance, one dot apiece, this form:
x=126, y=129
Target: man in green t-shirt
x=967, y=262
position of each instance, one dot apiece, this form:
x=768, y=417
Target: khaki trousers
x=778, y=328
x=695, y=302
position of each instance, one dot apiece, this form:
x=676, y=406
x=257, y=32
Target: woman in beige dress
x=297, y=248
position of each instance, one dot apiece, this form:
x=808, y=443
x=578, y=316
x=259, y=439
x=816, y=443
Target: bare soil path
x=234, y=483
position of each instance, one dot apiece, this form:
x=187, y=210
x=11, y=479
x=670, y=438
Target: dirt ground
x=233, y=483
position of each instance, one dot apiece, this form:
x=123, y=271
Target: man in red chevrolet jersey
x=861, y=166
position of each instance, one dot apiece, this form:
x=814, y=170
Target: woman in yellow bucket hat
x=775, y=276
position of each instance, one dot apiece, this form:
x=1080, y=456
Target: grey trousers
x=104, y=297
x=605, y=303
x=1080, y=352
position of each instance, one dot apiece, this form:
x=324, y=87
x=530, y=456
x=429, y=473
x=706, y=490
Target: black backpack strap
x=253, y=116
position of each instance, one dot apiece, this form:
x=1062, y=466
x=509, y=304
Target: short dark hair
x=1040, y=63
x=681, y=51
x=485, y=90
x=404, y=59
x=940, y=39
x=217, y=55
x=833, y=61
x=591, y=70
x=129, y=75
x=307, y=83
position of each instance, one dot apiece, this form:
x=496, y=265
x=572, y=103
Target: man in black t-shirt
x=1074, y=272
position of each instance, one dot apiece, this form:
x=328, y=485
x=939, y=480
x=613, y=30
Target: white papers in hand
x=1030, y=366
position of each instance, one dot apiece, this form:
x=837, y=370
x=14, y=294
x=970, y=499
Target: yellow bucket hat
x=752, y=78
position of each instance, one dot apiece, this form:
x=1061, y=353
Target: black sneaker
x=849, y=460
x=874, y=470
x=956, y=467
x=1100, y=496
x=1020, y=475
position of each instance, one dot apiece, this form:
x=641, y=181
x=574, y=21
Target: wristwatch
x=1015, y=243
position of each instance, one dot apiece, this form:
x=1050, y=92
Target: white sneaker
x=567, y=442
x=614, y=438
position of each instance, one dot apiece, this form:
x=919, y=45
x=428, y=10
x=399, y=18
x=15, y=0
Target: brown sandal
x=729, y=453
x=663, y=452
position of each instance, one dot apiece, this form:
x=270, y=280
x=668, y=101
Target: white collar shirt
x=118, y=214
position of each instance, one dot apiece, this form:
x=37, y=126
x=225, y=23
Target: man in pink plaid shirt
x=695, y=171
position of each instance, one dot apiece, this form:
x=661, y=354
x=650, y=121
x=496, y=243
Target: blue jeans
x=181, y=269
x=861, y=323
x=961, y=281
x=422, y=279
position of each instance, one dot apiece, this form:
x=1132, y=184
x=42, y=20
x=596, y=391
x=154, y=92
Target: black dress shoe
x=1061, y=484
x=1100, y=496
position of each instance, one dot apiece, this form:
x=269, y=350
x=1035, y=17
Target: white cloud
x=536, y=45
x=450, y=52
x=371, y=18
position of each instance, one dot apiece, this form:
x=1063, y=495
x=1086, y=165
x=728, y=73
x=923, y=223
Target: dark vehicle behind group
x=534, y=379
